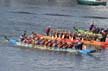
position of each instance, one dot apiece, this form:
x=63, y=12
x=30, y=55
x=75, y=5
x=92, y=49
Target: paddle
x=87, y=52
x=5, y=39
x=2, y=40
x=93, y=51
x=91, y=54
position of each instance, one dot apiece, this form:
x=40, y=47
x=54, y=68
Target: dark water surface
x=19, y=15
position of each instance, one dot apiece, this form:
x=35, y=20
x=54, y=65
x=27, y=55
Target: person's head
x=25, y=31
x=33, y=33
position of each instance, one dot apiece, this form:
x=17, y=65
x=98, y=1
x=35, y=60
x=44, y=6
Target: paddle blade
x=85, y=51
x=12, y=41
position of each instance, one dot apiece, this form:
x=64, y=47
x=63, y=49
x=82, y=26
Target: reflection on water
x=37, y=2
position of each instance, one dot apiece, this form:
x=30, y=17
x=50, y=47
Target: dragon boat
x=44, y=47
x=87, y=32
x=92, y=42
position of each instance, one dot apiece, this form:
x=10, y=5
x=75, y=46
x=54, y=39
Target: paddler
x=6, y=39
x=48, y=29
x=23, y=36
x=92, y=26
x=104, y=35
x=32, y=35
x=79, y=45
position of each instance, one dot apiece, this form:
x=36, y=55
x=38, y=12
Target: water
x=17, y=16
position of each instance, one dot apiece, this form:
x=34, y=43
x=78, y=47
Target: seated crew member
x=33, y=35
x=91, y=26
x=79, y=45
x=23, y=36
x=25, y=40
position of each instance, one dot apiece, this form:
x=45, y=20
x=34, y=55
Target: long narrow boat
x=91, y=2
x=87, y=32
x=71, y=50
x=94, y=43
